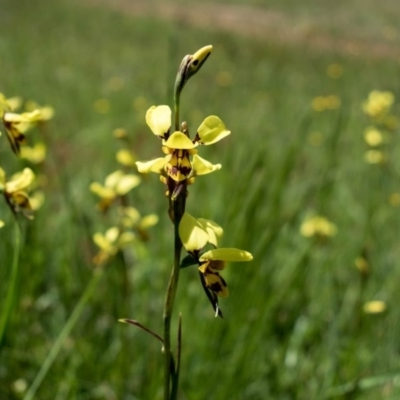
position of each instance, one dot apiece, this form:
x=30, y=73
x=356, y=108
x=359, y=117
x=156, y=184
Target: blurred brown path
x=261, y=24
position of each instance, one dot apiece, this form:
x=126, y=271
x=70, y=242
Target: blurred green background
x=296, y=324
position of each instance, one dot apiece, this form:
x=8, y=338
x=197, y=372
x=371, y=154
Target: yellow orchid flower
x=15, y=191
x=35, y=154
x=116, y=184
x=195, y=234
x=15, y=126
x=110, y=243
x=182, y=162
x=318, y=226
x=131, y=218
x=378, y=104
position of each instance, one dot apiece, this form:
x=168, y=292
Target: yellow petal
x=227, y=254
x=103, y=243
x=214, y=231
x=35, y=154
x=24, y=117
x=179, y=166
x=156, y=165
x=127, y=183
x=112, y=234
x=149, y=221
x=101, y=191
x=125, y=158
x=36, y=200
x=180, y=141
x=192, y=234
x=374, y=307
x=130, y=216
x=125, y=239
x=113, y=179
x=212, y=130
x=159, y=120
x=216, y=283
x=202, y=166
x=2, y=179
x=20, y=181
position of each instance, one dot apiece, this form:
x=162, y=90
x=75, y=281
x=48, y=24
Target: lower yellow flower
x=195, y=235
x=110, y=243
x=15, y=191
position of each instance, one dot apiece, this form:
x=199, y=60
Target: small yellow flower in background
x=47, y=112
x=131, y=219
x=115, y=83
x=120, y=133
x=374, y=307
x=20, y=386
x=334, y=71
x=36, y=199
x=110, y=243
x=35, y=154
x=374, y=157
x=362, y=265
x=15, y=126
x=1, y=223
x=224, y=78
x=378, y=104
x=195, y=235
x=16, y=189
x=125, y=158
x=318, y=226
x=315, y=139
x=116, y=184
x=373, y=137
x=102, y=106
x=322, y=103
x=394, y=199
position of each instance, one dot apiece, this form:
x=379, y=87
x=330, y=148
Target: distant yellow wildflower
x=378, y=103
x=334, y=71
x=318, y=226
x=374, y=307
x=375, y=157
x=373, y=137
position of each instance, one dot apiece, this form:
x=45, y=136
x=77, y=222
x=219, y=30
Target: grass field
x=295, y=324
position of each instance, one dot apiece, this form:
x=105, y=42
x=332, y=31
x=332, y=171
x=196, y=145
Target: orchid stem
x=178, y=207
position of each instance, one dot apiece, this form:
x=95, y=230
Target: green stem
x=97, y=274
x=179, y=207
x=9, y=303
